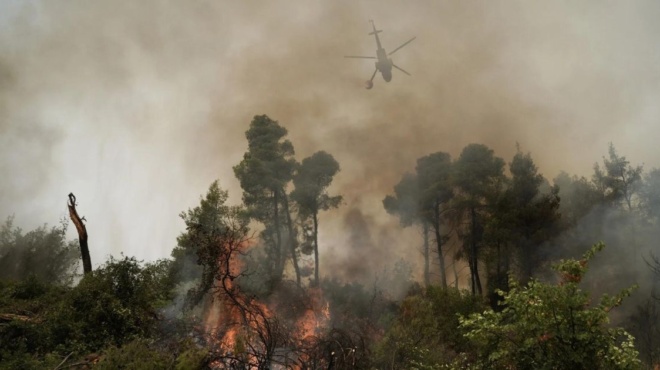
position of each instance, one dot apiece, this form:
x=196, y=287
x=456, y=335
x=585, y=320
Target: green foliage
x=417, y=196
x=435, y=190
x=478, y=173
x=620, y=181
x=267, y=166
x=434, y=180
x=312, y=178
x=115, y=304
x=26, y=361
x=213, y=230
x=578, y=196
x=44, y=322
x=418, y=199
x=266, y=169
x=135, y=355
x=141, y=354
x=521, y=220
x=311, y=181
x=478, y=178
x=405, y=202
x=425, y=332
x=351, y=305
x=650, y=195
x=525, y=179
x=192, y=358
x=27, y=307
x=29, y=289
x=544, y=326
x=42, y=252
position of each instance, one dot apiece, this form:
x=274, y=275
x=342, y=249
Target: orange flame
x=227, y=319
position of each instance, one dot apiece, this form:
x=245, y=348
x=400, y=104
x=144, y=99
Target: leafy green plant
x=425, y=333
x=551, y=326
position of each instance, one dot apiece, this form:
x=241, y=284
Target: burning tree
x=287, y=328
x=215, y=232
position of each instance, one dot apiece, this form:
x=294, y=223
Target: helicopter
x=384, y=64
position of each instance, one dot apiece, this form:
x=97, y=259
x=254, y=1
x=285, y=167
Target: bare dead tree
x=82, y=234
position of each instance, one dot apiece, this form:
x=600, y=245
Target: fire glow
x=251, y=334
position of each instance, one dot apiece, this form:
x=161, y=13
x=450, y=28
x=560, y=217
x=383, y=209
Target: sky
x=136, y=107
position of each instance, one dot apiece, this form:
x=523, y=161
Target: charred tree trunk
x=82, y=234
x=427, y=274
x=292, y=239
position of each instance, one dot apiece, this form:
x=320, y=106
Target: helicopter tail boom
x=375, y=33
x=374, y=26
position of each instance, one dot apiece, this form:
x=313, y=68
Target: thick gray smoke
x=137, y=107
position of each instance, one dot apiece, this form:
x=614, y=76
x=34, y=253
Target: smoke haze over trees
x=163, y=92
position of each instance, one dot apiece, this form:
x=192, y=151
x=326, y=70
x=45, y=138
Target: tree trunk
x=82, y=234
x=453, y=265
x=529, y=263
x=292, y=240
x=472, y=282
x=476, y=281
x=506, y=267
x=8, y=317
x=438, y=240
x=279, y=266
x=498, y=264
x=427, y=275
x=525, y=246
x=316, y=249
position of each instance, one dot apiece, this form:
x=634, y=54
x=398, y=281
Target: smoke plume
x=137, y=106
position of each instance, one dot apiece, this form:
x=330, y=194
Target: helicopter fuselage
x=384, y=64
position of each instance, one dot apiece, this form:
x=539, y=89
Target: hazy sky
x=136, y=107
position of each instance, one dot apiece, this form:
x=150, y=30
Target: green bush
x=545, y=326
x=135, y=355
x=116, y=304
x=425, y=332
x=42, y=252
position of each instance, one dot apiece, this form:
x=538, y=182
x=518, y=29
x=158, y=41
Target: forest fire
x=316, y=318
x=436, y=222
x=253, y=316
x=248, y=332
x=251, y=333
